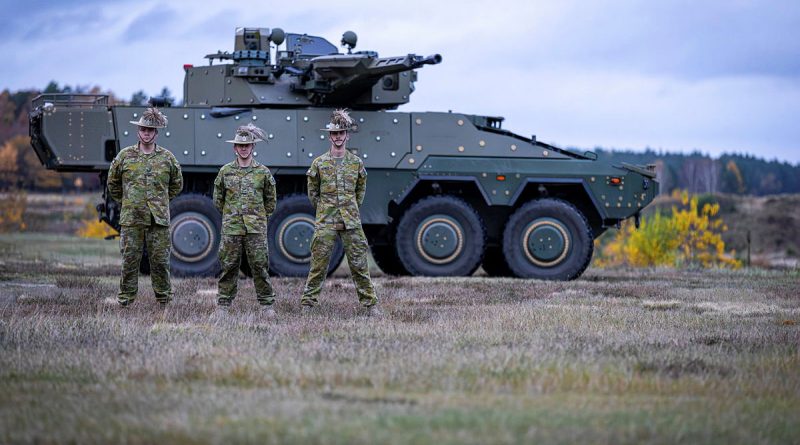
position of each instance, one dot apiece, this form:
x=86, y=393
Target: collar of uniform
x=235, y=165
x=139, y=152
x=253, y=164
x=348, y=156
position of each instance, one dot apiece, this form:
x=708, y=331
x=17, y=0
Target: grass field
x=657, y=356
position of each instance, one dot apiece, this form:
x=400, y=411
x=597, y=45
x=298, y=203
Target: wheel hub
x=192, y=237
x=546, y=242
x=440, y=239
x=294, y=238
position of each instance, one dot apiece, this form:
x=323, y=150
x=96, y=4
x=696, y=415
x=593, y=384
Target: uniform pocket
x=121, y=241
x=351, y=178
x=327, y=180
x=232, y=183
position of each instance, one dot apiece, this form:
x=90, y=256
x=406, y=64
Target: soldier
x=337, y=182
x=244, y=192
x=143, y=178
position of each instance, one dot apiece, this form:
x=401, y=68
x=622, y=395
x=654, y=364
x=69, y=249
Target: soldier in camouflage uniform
x=337, y=182
x=143, y=178
x=244, y=192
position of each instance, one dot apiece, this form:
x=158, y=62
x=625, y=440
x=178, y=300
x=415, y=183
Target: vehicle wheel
x=291, y=228
x=387, y=260
x=440, y=236
x=548, y=239
x=494, y=263
x=194, y=230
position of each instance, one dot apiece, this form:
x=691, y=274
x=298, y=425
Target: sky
x=714, y=76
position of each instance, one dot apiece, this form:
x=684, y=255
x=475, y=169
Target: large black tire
x=387, y=260
x=494, y=263
x=548, y=239
x=440, y=236
x=291, y=228
x=195, y=232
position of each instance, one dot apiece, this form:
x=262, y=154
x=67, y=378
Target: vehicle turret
x=306, y=71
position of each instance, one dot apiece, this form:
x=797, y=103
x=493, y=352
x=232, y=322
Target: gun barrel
x=344, y=66
x=430, y=60
x=341, y=76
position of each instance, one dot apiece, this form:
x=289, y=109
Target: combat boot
x=112, y=301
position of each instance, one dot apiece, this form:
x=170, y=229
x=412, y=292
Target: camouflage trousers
x=356, y=249
x=132, y=242
x=254, y=245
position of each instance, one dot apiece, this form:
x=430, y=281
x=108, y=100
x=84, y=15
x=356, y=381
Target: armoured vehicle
x=447, y=192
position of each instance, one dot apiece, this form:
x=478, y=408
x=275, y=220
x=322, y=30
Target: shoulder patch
x=312, y=170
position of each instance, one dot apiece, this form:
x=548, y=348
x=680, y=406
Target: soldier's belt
x=330, y=225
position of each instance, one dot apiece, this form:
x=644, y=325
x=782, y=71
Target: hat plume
x=252, y=130
x=155, y=116
x=341, y=118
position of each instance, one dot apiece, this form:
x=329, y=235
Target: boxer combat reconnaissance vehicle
x=447, y=192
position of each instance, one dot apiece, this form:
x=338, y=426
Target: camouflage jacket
x=144, y=184
x=245, y=196
x=336, y=192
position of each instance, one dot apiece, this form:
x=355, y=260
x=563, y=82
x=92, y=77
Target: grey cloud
x=31, y=21
x=216, y=27
x=692, y=40
x=148, y=25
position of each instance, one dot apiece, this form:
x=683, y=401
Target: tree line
x=695, y=172
x=739, y=174
x=20, y=168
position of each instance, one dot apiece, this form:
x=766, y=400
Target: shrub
x=12, y=208
x=690, y=236
x=92, y=228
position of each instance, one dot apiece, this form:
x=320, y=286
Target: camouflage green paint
x=434, y=144
x=144, y=184
x=612, y=201
x=245, y=197
x=132, y=240
x=355, y=247
x=337, y=191
x=254, y=245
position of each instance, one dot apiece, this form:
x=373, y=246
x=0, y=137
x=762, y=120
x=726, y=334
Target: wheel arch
x=573, y=190
x=467, y=188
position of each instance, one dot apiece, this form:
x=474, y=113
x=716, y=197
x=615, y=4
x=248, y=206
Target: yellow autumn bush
x=13, y=204
x=687, y=237
x=92, y=228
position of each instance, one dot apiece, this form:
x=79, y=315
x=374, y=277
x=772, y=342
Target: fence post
x=748, y=248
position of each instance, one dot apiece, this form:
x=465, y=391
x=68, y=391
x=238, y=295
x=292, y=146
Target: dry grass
x=617, y=357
